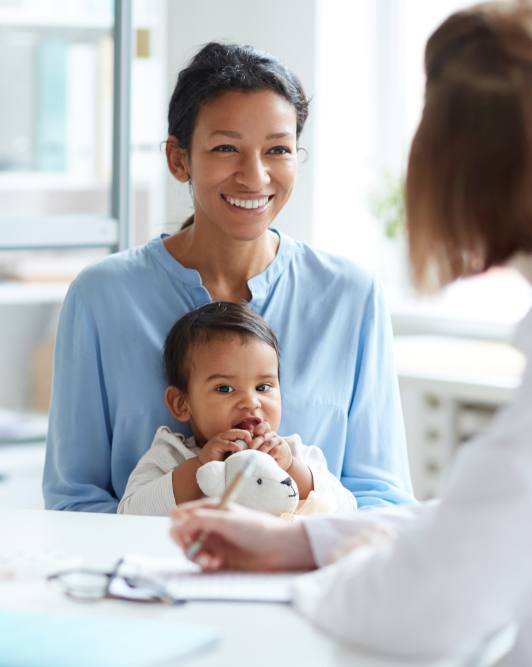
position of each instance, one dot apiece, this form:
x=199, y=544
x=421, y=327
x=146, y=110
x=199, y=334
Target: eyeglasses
x=85, y=584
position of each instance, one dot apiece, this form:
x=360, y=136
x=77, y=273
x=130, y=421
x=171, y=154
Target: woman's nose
x=253, y=173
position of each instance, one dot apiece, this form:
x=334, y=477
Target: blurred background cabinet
x=450, y=390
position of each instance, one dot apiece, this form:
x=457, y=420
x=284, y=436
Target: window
x=71, y=71
x=370, y=91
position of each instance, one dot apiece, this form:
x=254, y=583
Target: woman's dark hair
x=215, y=321
x=468, y=192
x=220, y=68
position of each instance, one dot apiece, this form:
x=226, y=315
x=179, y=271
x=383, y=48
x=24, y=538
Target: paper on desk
x=48, y=640
x=22, y=564
x=184, y=580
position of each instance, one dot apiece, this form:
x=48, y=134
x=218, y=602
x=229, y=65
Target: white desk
x=262, y=635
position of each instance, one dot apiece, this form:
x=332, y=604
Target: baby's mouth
x=248, y=424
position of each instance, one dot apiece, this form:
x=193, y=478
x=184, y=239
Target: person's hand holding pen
x=239, y=538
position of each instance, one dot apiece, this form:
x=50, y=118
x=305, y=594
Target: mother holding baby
x=235, y=119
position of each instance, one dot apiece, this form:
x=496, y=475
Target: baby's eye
x=224, y=389
x=259, y=481
x=280, y=150
x=224, y=148
x=264, y=387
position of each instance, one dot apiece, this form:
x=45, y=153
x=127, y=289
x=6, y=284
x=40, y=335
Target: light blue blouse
x=338, y=383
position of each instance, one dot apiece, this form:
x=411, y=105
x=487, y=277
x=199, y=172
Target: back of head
x=220, y=68
x=469, y=201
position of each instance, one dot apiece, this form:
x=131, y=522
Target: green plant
x=388, y=204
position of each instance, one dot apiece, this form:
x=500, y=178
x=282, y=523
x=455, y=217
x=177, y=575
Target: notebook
x=184, y=581
x=231, y=586
x=50, y=640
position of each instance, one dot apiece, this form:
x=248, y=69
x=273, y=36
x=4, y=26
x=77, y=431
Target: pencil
x=229, y=495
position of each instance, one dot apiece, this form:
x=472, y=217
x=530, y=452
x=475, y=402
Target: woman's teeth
x=247, y=203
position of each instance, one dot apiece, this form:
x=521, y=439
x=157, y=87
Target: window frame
x=89, y=230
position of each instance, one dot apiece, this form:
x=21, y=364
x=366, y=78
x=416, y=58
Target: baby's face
x=233, y=384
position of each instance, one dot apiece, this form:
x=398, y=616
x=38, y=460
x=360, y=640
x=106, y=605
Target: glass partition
x=56, y=116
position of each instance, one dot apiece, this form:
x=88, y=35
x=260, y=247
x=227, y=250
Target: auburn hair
x=469, y=176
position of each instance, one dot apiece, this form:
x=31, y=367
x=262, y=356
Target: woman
x=444, y=578
x=234, y=121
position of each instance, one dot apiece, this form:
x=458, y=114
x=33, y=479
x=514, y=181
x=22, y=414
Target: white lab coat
x=456, y=570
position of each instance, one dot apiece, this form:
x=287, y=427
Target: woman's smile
x=254, y=205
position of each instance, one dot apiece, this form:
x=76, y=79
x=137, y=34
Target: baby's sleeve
x=328, y=490
x=149, y=488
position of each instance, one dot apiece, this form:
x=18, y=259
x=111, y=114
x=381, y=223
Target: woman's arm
x=452, y=577
x=247, y=539
x=375, y=466
x=448, y=579
x=77, y=472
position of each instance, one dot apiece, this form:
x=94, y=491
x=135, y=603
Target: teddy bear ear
x=211, y=478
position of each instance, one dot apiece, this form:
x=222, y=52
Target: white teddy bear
x=268, y=488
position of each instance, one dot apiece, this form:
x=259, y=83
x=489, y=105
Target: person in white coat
x=436, y=579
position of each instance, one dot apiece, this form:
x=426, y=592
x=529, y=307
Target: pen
x=228, y=496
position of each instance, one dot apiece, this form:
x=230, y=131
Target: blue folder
x=50, y=640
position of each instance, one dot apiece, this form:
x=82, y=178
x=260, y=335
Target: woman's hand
x=240, y=538
x=217, y=447
x=266, y=440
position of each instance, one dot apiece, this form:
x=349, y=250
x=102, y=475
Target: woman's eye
x=224, y=148
x=280, y=150
x=264, y=387
x=224, y=389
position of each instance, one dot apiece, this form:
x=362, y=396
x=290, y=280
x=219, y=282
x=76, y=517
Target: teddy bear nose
x=287, y=481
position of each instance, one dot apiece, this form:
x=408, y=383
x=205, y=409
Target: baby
x=222, y=366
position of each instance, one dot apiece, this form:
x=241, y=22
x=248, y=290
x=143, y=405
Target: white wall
x=287, y=29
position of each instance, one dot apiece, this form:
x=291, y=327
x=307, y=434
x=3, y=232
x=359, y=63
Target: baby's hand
x=222, y=444
x=266, y=440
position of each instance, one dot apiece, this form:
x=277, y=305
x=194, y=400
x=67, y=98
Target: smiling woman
x=234, y=121
x=241, y=175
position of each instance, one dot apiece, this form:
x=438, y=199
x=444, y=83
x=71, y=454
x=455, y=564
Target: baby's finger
x=237, y=434
x=267, y=446
x=261, y=429
x=272, y=438
x=232, y=445
x=256, y=442
x=229, y=447
x=276, y=451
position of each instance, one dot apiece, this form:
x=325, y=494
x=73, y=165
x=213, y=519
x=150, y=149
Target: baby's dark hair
x=214, y=321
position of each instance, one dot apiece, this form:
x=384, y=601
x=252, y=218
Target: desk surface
x=253, y=634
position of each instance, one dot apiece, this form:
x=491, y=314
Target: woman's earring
x=302, y=151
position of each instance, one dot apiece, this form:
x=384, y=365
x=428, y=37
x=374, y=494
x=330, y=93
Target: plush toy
x=268, y=488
